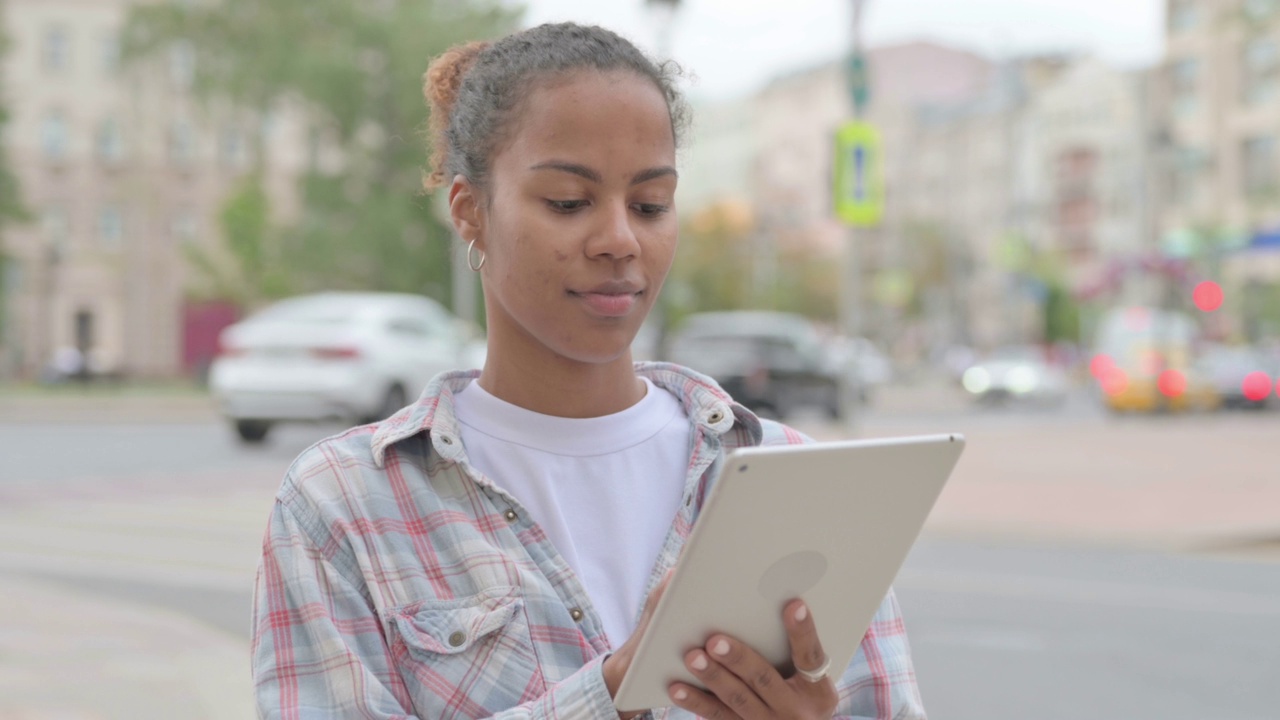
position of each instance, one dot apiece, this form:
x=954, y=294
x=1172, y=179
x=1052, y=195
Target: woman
x=487, y=550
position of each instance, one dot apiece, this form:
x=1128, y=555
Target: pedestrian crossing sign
x=858, y=183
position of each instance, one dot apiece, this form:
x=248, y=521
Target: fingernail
x=802, y=612
x=721, y=647
x=699, y=662
x=679, y=694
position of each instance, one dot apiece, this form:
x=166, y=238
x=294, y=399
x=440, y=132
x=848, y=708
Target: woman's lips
x=608, y=304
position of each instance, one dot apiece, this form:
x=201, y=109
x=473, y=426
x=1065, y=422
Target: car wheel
x=253, y=432
x=834, y=411
x=395, y=399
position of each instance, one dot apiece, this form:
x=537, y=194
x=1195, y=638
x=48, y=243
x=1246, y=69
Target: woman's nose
x=616, y=237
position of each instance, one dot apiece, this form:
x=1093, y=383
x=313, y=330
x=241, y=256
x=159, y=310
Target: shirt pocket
x=468, y=657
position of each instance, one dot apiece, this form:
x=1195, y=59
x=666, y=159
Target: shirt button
x=576, y=614
x=457, y=638
x=715, y=417
x=446, y=439
x=511, y=515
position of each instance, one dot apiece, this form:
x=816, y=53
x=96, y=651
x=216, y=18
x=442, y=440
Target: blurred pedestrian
x=487, y=551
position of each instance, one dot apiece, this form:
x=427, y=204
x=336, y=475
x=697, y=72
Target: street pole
x=664, y=12
x=851, y=285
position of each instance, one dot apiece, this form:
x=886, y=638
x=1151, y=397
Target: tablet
x=828, y=522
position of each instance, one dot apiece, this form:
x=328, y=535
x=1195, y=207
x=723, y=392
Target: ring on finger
x=817, y=675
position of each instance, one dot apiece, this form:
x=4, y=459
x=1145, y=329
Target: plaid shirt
x=397, y=582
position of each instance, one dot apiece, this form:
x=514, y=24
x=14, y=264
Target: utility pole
x=664, y=12
x=858, y=202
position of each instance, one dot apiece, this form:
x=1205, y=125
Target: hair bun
x=443, y=78
x=440, y=85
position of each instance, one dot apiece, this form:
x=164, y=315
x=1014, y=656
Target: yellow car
x=1175, y=391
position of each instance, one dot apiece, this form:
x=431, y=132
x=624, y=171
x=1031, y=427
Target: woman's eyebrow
x=571, y=168
x=651, y=173
x=586, y=172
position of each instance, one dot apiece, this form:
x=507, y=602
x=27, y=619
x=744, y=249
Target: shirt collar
x=705, y=404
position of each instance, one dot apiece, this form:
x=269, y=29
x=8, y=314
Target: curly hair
x=473, y=90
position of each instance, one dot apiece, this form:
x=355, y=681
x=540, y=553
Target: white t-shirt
x=605, y=490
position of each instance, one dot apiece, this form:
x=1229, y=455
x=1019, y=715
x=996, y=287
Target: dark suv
x=771, y=362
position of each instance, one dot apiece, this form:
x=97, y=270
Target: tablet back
x=828, y=522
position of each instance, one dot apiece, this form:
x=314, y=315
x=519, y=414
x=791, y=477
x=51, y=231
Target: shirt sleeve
x=319, y=651
x=880, y=683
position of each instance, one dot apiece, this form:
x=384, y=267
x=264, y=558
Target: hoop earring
x=475, y=267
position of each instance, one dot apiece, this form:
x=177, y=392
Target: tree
x=12, y=211
x=356, y=67
x=252, y=271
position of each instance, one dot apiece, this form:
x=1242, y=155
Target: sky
x=735, y=46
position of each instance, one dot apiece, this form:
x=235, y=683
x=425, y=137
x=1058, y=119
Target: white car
x=335, y=356
x=1016, y=374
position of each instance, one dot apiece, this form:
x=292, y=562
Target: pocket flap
x=448, y=627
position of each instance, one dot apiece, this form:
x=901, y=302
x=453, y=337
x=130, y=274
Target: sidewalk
x=1197, y=483
x=76, y=658
x=141, y=407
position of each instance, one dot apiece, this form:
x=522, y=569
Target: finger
x=751, y=668
x=651, y=602
x=700, y=703
x=806, y=649
x=727, y=687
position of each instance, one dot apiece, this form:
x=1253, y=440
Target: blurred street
x=1077, y=562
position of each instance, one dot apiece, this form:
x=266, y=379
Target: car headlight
x=976, y=380
x=1022, y=380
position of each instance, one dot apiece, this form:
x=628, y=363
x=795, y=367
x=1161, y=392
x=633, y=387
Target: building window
x=231, y=149
x=56, y=52
x=13, y=275
x=1183, y=15
x=56, y=227
x=110, y=227
x=182, y=142
x=182, y=64
x=110, y=142
x=1258, y=10
x=1260, y=70
x=1186, y=81
x=184, y=227
x=1258, y=162
x=53, y=136
x=109, y=52
x=1189, y=165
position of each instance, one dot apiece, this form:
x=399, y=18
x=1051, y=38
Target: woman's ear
x=465, y=209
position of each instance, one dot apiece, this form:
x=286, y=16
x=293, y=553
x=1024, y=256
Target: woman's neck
x=554, y=385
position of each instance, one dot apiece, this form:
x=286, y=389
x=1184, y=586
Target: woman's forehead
x=595, y=114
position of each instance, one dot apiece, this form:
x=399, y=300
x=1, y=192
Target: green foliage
x=252, y=269
x=928, y=261
x=356, y=66
x=12, y=208
x=716, y=268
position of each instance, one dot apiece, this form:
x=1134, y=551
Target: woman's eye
x=566, y=206
x=650, y=209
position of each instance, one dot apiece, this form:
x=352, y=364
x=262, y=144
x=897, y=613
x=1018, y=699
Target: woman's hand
x=615, y=666
x=744, y=685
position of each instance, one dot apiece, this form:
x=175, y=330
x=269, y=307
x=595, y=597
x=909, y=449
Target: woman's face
x=580, y=226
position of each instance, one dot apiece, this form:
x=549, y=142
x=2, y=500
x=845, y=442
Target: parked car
x=1016, y=374
x=862, y=361
x=1243, y=376
x=355, y=357
x=773, y=363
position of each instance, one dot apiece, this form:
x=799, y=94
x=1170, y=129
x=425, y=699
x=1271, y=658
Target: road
x=1022, y=600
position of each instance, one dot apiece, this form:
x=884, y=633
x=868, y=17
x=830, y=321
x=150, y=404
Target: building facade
x=1221, y=146
x=123, y=171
